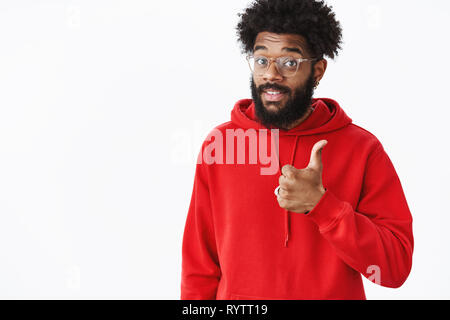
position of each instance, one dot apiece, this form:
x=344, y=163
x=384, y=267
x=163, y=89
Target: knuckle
x=282, y=202
x=287, y=171
x=286, y=182
x=290, y=174
x=285, y=189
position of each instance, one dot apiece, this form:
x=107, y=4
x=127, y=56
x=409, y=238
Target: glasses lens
x=287, y=66
x=258, y=64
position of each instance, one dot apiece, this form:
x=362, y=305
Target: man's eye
x=261, y=61
x=290, y=63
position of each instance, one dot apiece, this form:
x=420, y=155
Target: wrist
x=319, y=196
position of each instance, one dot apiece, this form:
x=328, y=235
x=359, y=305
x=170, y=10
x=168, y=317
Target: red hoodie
x=239, y=243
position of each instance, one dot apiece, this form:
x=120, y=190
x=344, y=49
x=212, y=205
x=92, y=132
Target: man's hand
x=301, y=189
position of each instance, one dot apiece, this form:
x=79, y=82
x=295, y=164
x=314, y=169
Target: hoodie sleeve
x=376, y=239
x=200, y=264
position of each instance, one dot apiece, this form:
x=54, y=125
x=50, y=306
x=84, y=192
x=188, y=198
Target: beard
x=294, y=109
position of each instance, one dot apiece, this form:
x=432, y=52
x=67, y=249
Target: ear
x=319, y=69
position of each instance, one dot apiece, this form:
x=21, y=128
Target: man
x=338, y=211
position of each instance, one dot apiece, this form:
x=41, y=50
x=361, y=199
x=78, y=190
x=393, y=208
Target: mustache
x=273, y=87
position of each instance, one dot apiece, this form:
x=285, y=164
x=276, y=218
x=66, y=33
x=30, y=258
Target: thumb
x=315, y=162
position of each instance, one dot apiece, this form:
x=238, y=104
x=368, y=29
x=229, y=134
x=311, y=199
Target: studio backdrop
x=104, y=106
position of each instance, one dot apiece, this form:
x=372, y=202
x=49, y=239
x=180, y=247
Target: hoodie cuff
x=327, y=212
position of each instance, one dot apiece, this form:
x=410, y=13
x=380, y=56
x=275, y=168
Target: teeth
x=273, y=92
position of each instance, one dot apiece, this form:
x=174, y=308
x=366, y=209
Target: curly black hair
x=312, y=19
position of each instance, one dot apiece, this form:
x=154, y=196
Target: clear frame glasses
x=286, y=66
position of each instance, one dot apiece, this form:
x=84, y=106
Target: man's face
x=294, y=101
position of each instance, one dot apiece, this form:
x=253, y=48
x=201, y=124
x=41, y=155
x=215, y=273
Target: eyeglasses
x=286, y=66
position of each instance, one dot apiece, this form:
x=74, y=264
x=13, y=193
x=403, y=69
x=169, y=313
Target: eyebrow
x=297, y=50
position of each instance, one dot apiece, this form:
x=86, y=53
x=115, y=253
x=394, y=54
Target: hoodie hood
x=327, y=116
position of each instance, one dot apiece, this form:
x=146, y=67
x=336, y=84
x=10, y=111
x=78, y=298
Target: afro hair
x=312, y=19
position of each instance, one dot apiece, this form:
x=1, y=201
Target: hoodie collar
x=327, y=116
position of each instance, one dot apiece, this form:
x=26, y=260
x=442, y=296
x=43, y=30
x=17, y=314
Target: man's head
x=298, y=29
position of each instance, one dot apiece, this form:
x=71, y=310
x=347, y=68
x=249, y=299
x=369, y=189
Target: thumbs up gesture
x=301, y=189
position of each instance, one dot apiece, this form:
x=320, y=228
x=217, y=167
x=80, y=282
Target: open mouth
x=273, y=95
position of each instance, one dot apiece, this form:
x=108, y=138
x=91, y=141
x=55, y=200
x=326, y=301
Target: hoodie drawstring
x=287, y=225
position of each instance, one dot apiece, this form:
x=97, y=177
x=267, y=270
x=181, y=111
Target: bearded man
x=334, y=211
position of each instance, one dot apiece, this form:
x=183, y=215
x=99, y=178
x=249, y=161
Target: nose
x=272, y=73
